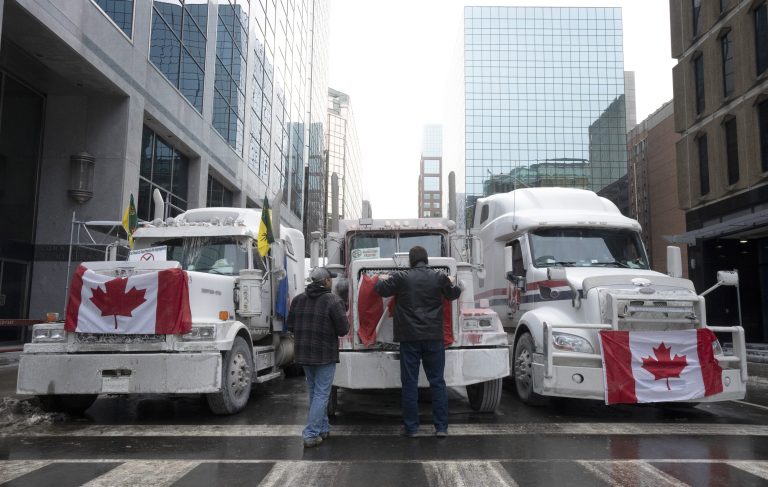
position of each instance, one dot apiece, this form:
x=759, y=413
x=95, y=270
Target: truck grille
x=106, y=338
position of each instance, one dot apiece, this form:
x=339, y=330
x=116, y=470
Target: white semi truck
x=477, y=356
x=236, y=337
x=563, y=265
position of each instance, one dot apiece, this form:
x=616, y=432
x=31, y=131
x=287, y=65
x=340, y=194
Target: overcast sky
x=394, y=60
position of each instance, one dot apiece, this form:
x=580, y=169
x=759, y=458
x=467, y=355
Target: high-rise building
x=431, y=173
x=652, y=181
x=544, y=98
x=344, y=160
x=208, y=102
x=721, y=112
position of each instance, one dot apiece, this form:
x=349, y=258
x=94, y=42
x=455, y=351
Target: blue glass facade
x=177, y=46
x=544, y=98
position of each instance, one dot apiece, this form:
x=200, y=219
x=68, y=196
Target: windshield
x=385, y=244
x=215, y=255
x=587, y=247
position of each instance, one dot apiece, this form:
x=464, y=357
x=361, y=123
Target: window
x=698, y=77
x=727, y=48
x=696, y=7
x=701, y=143
x=732, y=150
x=121, y=13
x=177, y=46
x=431, y=166
x=484, y=214
x=229, y=93
x=218, y=195
x=762, y=122
x=761, y=37
x=163, y=168
x=431, y=183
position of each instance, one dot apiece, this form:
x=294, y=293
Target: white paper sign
x=148, y=255
x=369, y=253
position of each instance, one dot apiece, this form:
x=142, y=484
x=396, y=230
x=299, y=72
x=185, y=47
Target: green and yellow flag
x=265, y=237
x=130, y=221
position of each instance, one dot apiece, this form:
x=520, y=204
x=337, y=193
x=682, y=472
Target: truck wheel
x=484, y=397
x=236, y=380
x=333, y=401
x=67, y=403
x=522, y=370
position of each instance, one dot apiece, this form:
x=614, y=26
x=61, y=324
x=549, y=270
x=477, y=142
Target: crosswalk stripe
x=316, y=474
x=11, y=469
x=162, y=473
x=589, y=429
x=467, y=474
x=637, y=473
x=759, y=469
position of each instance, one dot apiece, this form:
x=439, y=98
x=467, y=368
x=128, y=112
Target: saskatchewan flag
x=265, y=237
x=130, y=221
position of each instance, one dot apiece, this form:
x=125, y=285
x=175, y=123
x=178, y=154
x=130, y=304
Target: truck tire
x=522, y=371
x=67, y=403
x=333, y=401
x=236, y=380
x=484, y=397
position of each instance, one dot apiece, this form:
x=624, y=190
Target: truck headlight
x=200, y=333
x=49, y=333
x=571, y=343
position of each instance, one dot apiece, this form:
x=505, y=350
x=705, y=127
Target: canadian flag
x=642, y=367
x=372, y=310
x=151, y=303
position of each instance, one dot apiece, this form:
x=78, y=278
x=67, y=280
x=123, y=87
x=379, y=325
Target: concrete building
x=652, y=178
x=207, y=101
x=344, y=160
x=721, y=113
x=543, y=89
x=431, y=173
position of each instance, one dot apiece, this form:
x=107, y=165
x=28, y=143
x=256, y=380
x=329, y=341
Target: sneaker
x=325, y=435
x=407, y=434
x=314, y=441
x=441, y=434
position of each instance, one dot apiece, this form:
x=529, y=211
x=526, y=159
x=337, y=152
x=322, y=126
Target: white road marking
x=538, y=429
x=316, y=474
x=161, y=472
x=759, y=469
x=467, y=474
x=636, y=473
x=12, y=469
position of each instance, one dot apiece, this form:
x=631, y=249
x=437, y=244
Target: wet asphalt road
x=162, y=440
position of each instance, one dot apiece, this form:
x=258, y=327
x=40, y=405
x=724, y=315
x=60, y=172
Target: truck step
x=268, y=377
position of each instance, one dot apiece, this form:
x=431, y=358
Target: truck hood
x=586, y=278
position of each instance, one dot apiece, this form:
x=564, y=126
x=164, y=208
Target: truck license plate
x=115, y=385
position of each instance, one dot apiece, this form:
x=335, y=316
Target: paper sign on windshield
x=148, y=255
x=369, y=253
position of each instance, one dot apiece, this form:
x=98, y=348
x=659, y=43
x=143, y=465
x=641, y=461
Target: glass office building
x=544, y=98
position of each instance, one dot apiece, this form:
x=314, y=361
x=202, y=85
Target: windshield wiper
x=614, y=263
x=562, y=263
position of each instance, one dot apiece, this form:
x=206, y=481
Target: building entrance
x=21, y=121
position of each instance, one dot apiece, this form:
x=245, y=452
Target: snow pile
x=27, y=412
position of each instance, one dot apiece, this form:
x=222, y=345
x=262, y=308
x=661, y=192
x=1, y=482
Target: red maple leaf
x=664, y=366
x=115, y=301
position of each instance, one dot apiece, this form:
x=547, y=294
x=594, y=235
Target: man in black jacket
x=418, y=326
x=317, y=318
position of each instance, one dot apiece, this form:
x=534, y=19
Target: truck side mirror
x=728, y=278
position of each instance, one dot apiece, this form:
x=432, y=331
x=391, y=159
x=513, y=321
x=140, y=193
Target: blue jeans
x=431, y=354
x=319, y=383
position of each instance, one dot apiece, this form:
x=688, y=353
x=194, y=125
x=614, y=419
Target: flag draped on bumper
x=151, y=303
x=643, y=367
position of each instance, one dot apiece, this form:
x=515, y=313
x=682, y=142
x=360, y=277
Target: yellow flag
x=130, y=221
